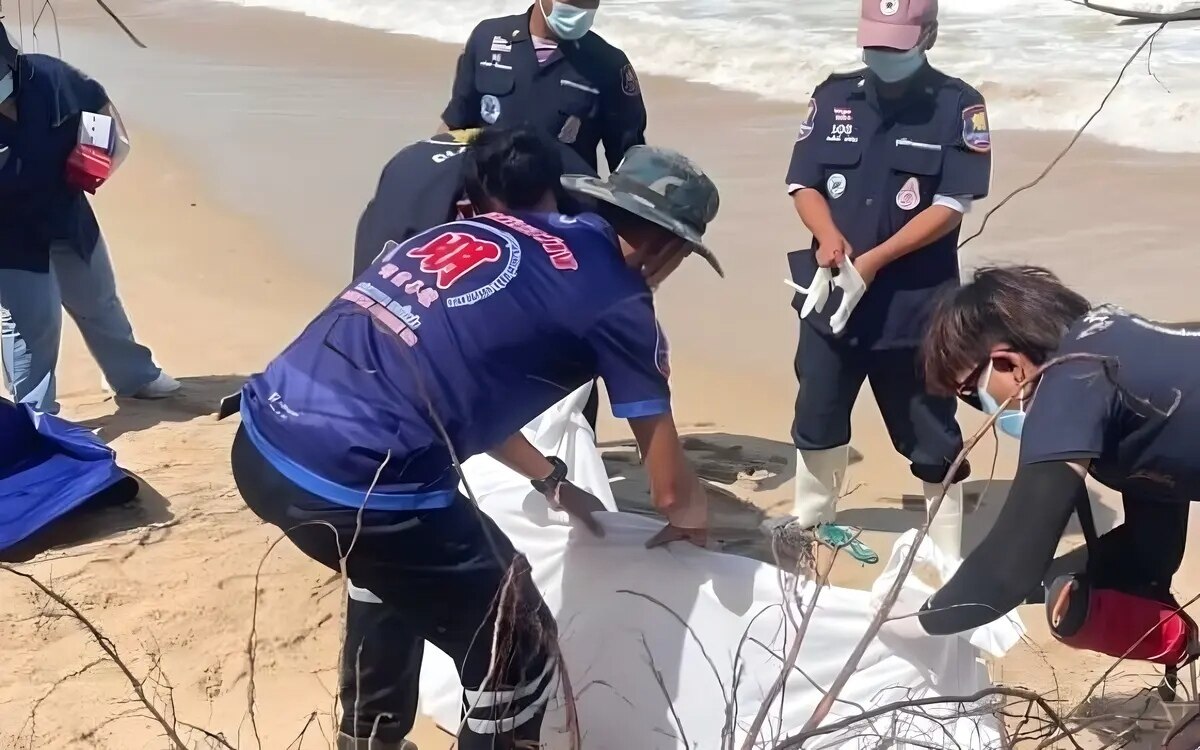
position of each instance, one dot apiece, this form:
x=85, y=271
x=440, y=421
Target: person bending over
x=1122, y=406
x=443, y=349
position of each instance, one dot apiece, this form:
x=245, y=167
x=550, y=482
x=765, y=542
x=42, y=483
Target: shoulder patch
x=629, y=81
x=810, y=118
x=976, y=134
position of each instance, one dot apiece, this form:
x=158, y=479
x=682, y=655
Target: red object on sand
x=88, y=167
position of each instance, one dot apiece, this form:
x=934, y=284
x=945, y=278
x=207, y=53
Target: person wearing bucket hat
x=548, y=68
x=887, y=161
x=60, y=138
x=446, y=346
x=662, y=188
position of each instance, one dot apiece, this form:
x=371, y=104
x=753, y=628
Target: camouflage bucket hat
x=660, y=186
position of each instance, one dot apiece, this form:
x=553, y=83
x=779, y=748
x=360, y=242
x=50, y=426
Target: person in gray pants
x=52, y=254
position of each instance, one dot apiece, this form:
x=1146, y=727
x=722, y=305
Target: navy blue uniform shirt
x=36, y=205
x=485, y=323
x=421, y=187
x=587, y=93
x=1140, y=427
x=879, y=163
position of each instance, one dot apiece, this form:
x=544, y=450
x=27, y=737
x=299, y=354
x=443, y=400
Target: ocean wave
x=1041, y=64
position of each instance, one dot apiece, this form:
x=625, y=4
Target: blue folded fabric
x=48, y=467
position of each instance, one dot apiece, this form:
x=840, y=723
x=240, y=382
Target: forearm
x=927, y=227
x=814, y=212
x=518, y=454
x=1013, y=558
x=670, y=473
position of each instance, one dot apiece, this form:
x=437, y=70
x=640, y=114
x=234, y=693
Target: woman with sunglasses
x=1095, y=391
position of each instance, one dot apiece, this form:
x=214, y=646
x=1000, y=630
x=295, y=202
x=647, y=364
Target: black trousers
x=830, y=373
x=449, y=576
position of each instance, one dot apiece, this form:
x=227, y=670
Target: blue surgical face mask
x=6, y=86
x=1010, y=421
x=568, y=22
x=893, y=66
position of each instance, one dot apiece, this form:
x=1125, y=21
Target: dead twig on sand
x=110, y=650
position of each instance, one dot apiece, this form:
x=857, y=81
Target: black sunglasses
x=967, y=389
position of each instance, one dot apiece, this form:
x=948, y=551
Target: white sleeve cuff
x=959, y=203
x=794, y=188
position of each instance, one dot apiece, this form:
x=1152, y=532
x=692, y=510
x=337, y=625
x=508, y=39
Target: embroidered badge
x=975, y=133
x=810, y=119
x=835, y=185
x=489, y=109
x=909, y=196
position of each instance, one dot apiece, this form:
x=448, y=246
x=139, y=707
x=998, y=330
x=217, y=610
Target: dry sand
x=258, y=137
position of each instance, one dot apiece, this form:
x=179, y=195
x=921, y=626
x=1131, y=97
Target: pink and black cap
x=895, y=24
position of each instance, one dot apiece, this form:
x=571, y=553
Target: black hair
x=1024, y=307
x=515, y=167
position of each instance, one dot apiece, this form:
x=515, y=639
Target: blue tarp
x=48, y=467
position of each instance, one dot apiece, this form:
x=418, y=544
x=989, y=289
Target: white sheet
x=733, y=608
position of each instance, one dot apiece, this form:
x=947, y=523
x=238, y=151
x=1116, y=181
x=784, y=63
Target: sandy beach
x=258, y=137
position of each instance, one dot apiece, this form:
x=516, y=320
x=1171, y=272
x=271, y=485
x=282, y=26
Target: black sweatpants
x=830, y=372
x=443, y=575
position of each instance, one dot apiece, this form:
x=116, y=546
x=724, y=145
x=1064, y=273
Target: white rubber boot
x=819, y=476
x=946, y=529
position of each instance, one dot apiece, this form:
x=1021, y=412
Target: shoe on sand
x=791, y=536
x=346, y=742
x=161, y=387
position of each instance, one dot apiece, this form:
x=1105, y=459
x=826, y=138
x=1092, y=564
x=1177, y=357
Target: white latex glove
x=817, y=293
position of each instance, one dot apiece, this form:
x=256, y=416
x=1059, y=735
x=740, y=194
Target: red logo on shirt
x=453, y=255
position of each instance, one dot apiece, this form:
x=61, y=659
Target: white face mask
x=6, y=86
x=568, y=22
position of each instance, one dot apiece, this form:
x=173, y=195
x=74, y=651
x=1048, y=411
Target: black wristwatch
x=558, y=473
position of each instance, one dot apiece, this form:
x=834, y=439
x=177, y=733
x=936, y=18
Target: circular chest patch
x=835, y=186
x=910, y=195
x=489, y=109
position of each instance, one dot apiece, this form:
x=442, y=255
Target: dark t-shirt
x=879, y=163
x=422, y=187
x=485, y=323
x=37, y=207
x=1139, y=422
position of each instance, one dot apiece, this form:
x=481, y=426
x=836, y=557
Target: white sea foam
x=1042, y=64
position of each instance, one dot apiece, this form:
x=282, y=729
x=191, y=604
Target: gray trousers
x=31, y=306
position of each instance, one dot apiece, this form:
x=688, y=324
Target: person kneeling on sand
x=443, y=349
x=1096, y=391
x=59, y=136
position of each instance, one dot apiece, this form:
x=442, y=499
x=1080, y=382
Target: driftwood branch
x=1141, y=16
x=110, y=651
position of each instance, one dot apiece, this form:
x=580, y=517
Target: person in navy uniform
x=52, y=253
x=1122, y=406
x=443, y=349
x=424, y=185
x=547, y=68
x=886, y=163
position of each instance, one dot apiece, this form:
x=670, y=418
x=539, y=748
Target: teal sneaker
x=845, y=537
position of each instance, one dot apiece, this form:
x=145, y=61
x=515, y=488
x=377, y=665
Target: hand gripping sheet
x=611, y=597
